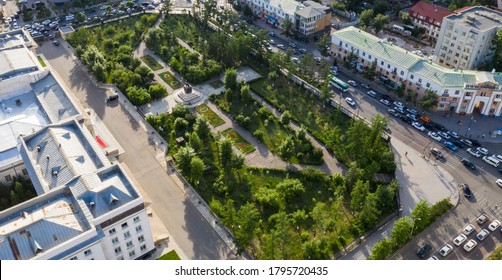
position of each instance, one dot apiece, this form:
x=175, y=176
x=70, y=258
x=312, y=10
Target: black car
x=475, y=143
x=422, y=252
x=468, y=164
x=428, y=126
x=438, y=126
x=458, y=143
x=406, y=119
x=499, y=170
x=437, y=153
x=386, y=97
x=467, y=190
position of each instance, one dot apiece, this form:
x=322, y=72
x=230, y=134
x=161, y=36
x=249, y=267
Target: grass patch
x=216, y=84
x=152, y=63
x=210, y=115
x=170, y=80
x=496, y=255
x=239, y=141
x=172, y=255
x=42, y=62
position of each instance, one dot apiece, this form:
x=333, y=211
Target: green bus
x=339, y=84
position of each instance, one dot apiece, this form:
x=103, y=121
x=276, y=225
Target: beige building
x=466, y=38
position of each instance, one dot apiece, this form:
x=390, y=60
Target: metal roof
x=309, y=12
x=15, y=61
x=287, y=6
x=441, y=76
x=478, y=18
x=53, y=99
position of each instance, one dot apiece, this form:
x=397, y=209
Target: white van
x=491, y=161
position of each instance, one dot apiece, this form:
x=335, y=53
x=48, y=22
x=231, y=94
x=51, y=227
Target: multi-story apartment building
x=460, y=91
x=429, y=17
x=86, y=207
x=466, y=38
x=309, y=20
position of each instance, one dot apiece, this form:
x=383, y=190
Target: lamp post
x=413, y=227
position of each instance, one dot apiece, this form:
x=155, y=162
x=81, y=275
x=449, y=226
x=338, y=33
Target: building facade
x=308, y=19
x=429, y=17
x=466, y=38
x=459, y=91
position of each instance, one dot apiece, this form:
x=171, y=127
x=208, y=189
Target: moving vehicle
x=302, y=50
x=467, y=191
x=436, y=152
x=468, y=164
x=339, y=84
x=352, y=83
x=371, y=93
x=385, y=102
x=473, y=152
x=450, y=146
x=366, y=86
x=350, y=101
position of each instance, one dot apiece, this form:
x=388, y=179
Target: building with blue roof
x=459, y=91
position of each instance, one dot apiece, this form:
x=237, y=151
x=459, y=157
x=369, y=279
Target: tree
x=421, y=216
x=248, y=218
x=287, y=148
x=401, y=231
x=381, y=250
x=230, y=79
x=428, y=101
x=497, y=58
x=197, y=167
x=80, y=17
x=225, y=153
x=358, y=195
x=157, y=91
x=247, y=11
x=380, y=21
x=202, y=129
x=287, y=26
x=166, y=8
x=291, y=188
x=153, y=38
x=366, y=18
x=316, y=249
x=145, y=73
x=195, y=142
x=184, y=158
x=138, y=96
x=286, y=117
x=370, y=214
x=323, y=42
x=381, y=7
x=325, y=92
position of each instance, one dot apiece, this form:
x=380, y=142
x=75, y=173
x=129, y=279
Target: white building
x=463, y=92
x=466, y=38
x=275, y=11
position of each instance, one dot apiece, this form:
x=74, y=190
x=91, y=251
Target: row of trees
x=369, y=18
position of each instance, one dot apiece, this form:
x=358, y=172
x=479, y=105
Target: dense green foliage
x=19, y=191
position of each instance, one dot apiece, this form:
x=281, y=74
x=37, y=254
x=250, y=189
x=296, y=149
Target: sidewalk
x=419, y=179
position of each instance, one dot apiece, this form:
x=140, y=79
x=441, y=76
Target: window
x=132, y=254
x=87, y=252
x=129, y=244
x=457, y=92
x=419, y=81
x=412, y=77
x=468, y=93
x=24, y=172
x=497, y=95
x=388, y=66
x=120, y=258
x=364, y=54
x=138, y=229
x=141, y=238
x=8, y=178
x=112, y=231
x=143, y=247
x=483, y=94
x=74, y=258
x=428, y=85
x=124, y=225
x=445, y=91
x=115, y=240
x=454, y=100
x=402, y=73
x=381, y=63
x=443, y=99
x=118, y=250
x=127, y=235
x=369, y=56
x=136, y=219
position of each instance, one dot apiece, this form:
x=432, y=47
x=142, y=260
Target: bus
x=339, y=84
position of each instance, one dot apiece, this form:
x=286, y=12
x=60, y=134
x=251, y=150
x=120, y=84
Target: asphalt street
x=188, y=227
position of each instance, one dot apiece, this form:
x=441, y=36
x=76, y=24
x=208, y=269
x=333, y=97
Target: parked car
x=474, y=152
x=293, y=45
x=371, y=93
x=468, y=164
x=413, y=117
x=461, y=238
x=494, y=225
x=471, y=244
x=366, y=86
x=499, y=182
x=302, y=50
x=468, y=229
x=432, y=258
x=444, y=135
x=482, y=219
x=352, y=83
x=412, y=111
x=392, y=111
x=271, y=34
x=385, y=102
x=483, y=151
x=418, y=126
x=483, y=234
x=398, y=104
x=295, y=59
x=350, y=101
x=281, y=46
x=450, y=146
x=467, y=191
x=422, y=252
x=445, y=250
x=55, y=42
x=453, y=134
x=434, y=136
x=466, y=142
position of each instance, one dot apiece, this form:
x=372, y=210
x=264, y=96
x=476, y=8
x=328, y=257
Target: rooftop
x=478, y=18
x=288, y=6
x=33, y=228
x=430, y=11
x=12, y=39
x=309, y=12
x=15, y=62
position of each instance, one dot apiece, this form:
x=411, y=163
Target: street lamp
x=413, y=227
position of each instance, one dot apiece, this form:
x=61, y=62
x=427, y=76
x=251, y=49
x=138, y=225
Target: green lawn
x=172, y=255
x=210, y=115
x=216, y=84
x=170, y=80
x=151, y=62
x=239, y=141
x=42, y=62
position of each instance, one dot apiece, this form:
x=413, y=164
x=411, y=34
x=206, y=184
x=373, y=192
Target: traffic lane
x=192, y=232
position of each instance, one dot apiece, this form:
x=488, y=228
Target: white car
x=385, y=102
x=398, y=104
x=418, y=126
x=295, y=59
x=499, y=182
x=461, y=238
x=482, y=235
x=494, y=225
x=454, y=134
x=434, y=136
x=468, y=229
x=473, y=152
x=350, y=101
x=432, y=258
x=470, y=245
x=483, y=151
x=281, y=46
x=445, y=250
x=371, y=93
x=443, y=134
x=352, y=83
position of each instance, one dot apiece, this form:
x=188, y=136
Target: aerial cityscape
x=250, y=130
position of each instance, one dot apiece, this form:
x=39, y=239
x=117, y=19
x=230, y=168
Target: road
x=191, y=231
